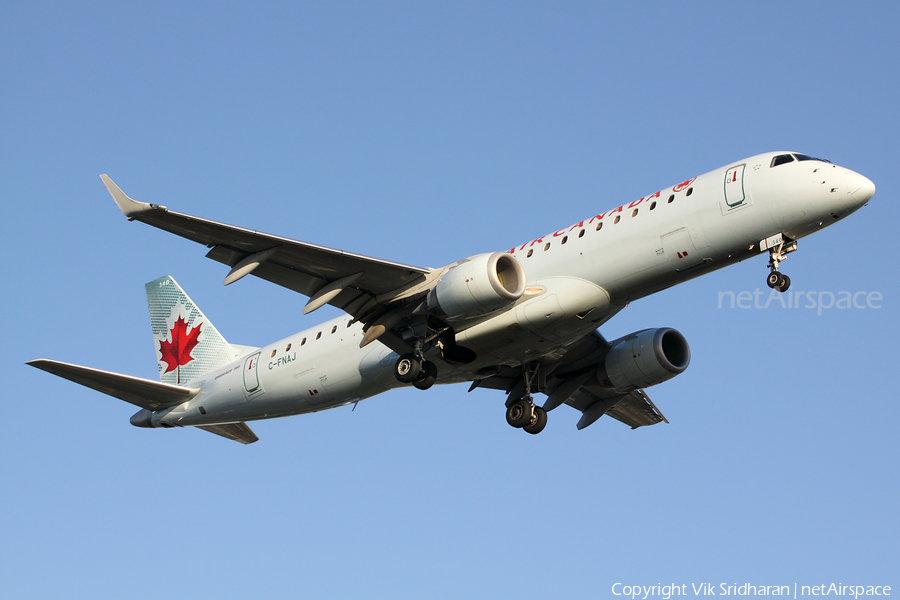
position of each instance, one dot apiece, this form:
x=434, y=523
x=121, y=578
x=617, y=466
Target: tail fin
x=187, y=344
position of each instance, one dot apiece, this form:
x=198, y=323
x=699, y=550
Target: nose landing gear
x=777, y=253
x=778, y=281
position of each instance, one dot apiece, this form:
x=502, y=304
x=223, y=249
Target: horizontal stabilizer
x=145, y=393
x=238, y=432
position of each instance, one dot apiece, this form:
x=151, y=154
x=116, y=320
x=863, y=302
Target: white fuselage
x=577, y=278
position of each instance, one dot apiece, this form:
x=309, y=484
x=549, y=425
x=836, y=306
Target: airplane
x=523, y=321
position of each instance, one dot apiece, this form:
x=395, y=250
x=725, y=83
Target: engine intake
x=478, y=286
x=644, y=358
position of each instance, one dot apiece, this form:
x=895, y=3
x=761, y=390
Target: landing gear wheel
x=785, y=284
x=774, y=279
x=538, y=422
x=427, y=376
x=520, y=413
x=407, y=368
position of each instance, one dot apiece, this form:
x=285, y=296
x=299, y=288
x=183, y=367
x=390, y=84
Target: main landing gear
x=777, y=280
x=522, y=412
x=409, y=368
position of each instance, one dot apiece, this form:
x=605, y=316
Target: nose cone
x=861, y=188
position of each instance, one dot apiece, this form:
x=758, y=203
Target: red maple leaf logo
x=178, y=352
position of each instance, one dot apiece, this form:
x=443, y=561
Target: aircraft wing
x=357, y=284
x=571, y=381
x=152, y=395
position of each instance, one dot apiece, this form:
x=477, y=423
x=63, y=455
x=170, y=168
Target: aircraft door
x=251, y=375
x=734, y=186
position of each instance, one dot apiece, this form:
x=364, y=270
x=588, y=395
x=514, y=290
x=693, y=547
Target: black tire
x=774, y=279
x=407, y=368
x=520, y=413
x=427, y=376
x=785, y=284
x=538, y=422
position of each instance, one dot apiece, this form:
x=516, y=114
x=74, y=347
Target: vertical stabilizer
x=187, y=344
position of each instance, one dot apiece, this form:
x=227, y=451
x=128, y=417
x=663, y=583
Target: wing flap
x=636, y=410
x=239, y=432
x=152, y=395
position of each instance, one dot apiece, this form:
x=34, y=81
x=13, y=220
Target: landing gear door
x=251, y=375
x=734, y=188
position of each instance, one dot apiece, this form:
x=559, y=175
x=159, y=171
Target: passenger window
x=530, y=252
x=273, y=354
x=671, y=198
x=652, y=206
x=333, y=329
x=689, y=192
x=617, y=220
x=319, y=335
x=565, y=239
x=599, y=225
x=349, y=323
x=781, y=159
x=634, y=213
x=287, y=348
x=546, y=246
x=303, y=341
x=581, y=233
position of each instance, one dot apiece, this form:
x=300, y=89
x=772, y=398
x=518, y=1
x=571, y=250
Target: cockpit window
x=781, y=159
x=807, y=157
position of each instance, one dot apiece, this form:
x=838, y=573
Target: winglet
x=129, y=207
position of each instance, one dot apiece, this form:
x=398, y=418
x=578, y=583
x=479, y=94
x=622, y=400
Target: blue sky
x=424, y=134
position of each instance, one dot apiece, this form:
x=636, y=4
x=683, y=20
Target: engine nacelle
x=644, y=358
x=477, y=286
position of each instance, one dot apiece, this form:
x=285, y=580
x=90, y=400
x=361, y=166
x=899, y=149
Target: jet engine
x=644, y=358
x=478, y=286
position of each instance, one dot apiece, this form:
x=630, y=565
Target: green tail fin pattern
x=187, y=344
